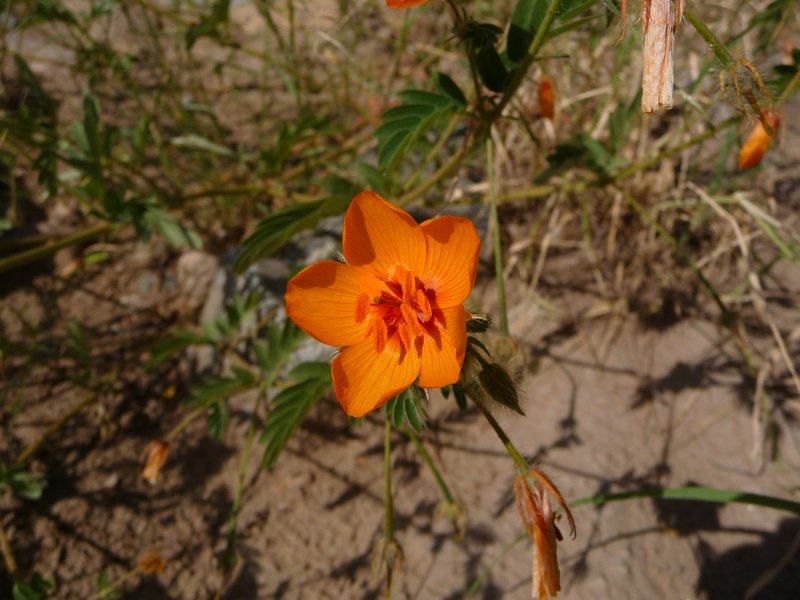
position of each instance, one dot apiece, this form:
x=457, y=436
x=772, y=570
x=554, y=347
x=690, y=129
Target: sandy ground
x=611, y=406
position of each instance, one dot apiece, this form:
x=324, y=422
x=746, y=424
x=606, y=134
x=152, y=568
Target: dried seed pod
x=660, y=18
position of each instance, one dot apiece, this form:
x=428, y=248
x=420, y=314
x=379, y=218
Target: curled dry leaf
x=536, y=510
x=151, y=562
x=156, y=455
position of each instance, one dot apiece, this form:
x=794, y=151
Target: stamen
x=362, y=308
x=408, y=287
x=410, y=318
x=381, y=334
x=405, y=336
x=424, y=311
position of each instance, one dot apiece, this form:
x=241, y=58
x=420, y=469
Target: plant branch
x=519, y=461
x=498, y=249
x=8, y=555
x=428, y=460
x=40, y=252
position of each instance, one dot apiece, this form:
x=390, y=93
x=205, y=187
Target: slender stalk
x=726, y=58
x=445, y=170
x=8, y=555
x=40, y=252
x=388, y=534
x=387, y=465
x=498, y=250
x=720, y=49
x=230, y=550
x=519, y=460
x=107, y=591
x=184, y=423
x=428, y=460
x=34, y=447
x=698, y=493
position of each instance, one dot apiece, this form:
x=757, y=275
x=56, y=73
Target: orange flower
x=758, y=143
x=547, y=98
x=537, y=514
x=404, y=3
x=396, y=307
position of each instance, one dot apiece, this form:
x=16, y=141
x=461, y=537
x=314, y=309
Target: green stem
x=230, y=550
x=725, y=57
x=428, y=460
x=388, y=534
x=54, y=428
x=522, y=70
x=8, y=555
x=387, y=465
x=522, y=464
x=498, y=250
x=720, y=50
x=700, y=494
x=38, y=253
x=107, y=591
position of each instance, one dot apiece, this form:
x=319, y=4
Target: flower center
x=403, y=309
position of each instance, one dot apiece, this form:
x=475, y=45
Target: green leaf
x=276, y=347
x=569, y=9
x=621, y=121
x=290, y=407
x=491, y=68
x=77, y=344
x=412, y=96
x=390, y=128
x=218, y=419
x=278, y=228
x=218, y=387
x=37, y=589
x=179, y=340
x=158, y=219
x=698, y=493
x=404, y=124
x=392, y=147
x=373, y=177
x=21, y=482
x=460, y=396
x=408, y=407
x=210, y=24
x=421, y=111
x=198, y=142
x=450, y=88
x=91, y=125
x=526, y=19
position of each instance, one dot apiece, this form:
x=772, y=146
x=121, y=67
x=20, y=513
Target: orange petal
x=453, y=250
x=365, y=379
x=404, y=3
x=382, y=236
x=443, y=354
x=325, y=300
